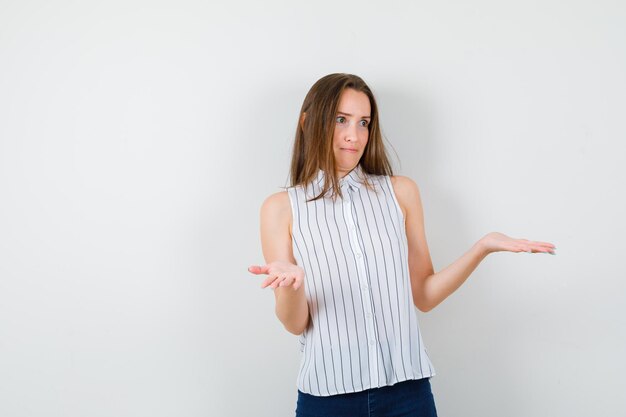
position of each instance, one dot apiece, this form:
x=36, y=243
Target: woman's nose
x=351, y=133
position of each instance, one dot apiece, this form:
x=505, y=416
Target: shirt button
x=368, y=315
x=358, y=254
x=365, y=287
x=372, y=342
x=352, y=227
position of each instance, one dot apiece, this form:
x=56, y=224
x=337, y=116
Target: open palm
x=497, y=242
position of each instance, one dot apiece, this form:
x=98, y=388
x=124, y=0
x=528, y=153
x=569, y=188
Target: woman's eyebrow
x=348, y=114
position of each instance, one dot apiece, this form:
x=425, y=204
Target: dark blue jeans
x=412, y=398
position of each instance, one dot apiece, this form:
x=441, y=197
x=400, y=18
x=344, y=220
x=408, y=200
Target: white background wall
x=138, y=140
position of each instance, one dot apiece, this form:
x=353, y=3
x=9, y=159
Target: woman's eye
x=364, y=123
x=340, y=119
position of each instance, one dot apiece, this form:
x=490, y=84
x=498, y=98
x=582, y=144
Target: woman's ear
x=302, y=120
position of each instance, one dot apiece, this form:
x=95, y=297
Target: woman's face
x=351, y=130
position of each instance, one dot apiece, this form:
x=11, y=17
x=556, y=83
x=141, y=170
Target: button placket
x=365, y=288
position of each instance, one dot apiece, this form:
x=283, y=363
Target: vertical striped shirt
x=363, y=330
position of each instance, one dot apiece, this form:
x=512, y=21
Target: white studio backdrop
x=138, y=140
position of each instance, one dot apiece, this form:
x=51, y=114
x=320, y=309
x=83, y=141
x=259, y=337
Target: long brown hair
x=313, y=144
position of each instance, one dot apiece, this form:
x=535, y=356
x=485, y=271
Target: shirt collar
x=352, y=180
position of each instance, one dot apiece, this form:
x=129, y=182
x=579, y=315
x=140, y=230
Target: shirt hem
x=429, y=375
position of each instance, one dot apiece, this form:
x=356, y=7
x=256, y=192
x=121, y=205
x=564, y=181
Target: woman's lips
x=349, y=150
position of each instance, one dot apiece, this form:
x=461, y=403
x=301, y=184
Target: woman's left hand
x=497, y=242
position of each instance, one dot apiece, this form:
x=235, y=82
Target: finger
x=297, y=283
x=521, y=248
x=545, y=245
x=544, y=249
x=258, y=269
x=294, y=282
x=542, y=245
x=277, y=282
x=287, y=281
x=268, y=281
x=531, y=247
x=540, y=249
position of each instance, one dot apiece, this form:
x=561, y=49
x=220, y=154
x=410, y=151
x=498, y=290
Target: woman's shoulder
x=276, y=211
x=402, y=182
x=403, y=186
x=406, y=191
x=278, y=201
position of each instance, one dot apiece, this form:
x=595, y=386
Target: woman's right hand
x=279, y=274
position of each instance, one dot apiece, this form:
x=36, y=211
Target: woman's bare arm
x=430, y=288
x=284, y=276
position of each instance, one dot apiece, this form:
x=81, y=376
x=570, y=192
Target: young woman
x=347, y=258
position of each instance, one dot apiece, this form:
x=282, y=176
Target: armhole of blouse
x=395, y=199
x=293, y=210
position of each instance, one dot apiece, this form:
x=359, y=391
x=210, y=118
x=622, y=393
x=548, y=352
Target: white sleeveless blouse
x=363, y=331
